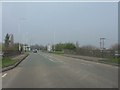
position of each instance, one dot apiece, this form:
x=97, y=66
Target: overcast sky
x=35, y=23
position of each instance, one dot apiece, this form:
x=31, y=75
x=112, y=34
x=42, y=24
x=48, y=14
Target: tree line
x=68, y=47
x=87, y=50
x=9, y=48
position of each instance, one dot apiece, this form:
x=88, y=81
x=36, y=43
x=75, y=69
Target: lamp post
x=54, y=41
x=19, y=28
x=102, y=43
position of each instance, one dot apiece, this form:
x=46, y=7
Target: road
x=43, y=70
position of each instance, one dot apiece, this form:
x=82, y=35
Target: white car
x=35, y=51
x=117, y=55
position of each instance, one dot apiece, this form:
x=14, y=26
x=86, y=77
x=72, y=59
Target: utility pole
x=54, y=41
x=20, y=21
x=102, y=43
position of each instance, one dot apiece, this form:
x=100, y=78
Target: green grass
x=115, y=60
x=0, y=46
x=0, y=63
x=6, y=61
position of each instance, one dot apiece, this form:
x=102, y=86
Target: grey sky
x=35, y=23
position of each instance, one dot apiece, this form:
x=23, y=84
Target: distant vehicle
x=116, y=55
x=35, y=51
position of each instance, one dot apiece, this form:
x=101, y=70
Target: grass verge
x=115, y=60
x=112, y=60
x=7, y=61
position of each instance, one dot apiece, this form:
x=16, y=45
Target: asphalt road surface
x=43, y=70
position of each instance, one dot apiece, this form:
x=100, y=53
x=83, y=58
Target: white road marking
x=4, y=75
x=77, y=59
x=56, y=60
x=82, y=63
x=86, y=64
x=51, y=60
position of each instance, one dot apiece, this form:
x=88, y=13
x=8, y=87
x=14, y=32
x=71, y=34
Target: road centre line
x=4, y=75
x=84, y=62
x=51, y=60
x=56, y=60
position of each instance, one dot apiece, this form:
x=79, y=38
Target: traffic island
x=9, y=63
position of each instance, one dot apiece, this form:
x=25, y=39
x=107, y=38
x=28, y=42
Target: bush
x=11, y=51
x=68, y=46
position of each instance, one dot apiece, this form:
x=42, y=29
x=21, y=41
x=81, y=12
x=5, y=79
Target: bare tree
x=7, y=40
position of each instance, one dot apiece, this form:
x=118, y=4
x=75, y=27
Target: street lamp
x=19, y=28
x=102, y=45
x=54, y=41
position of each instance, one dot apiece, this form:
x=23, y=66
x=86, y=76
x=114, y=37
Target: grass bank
x=114, y=60
x=8, y=61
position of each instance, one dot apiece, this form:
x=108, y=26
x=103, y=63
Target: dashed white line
x=4, y=75
x=82, y=63
x=76, y=59
x=56, y=60
x=51, y=60
x=86, y=64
